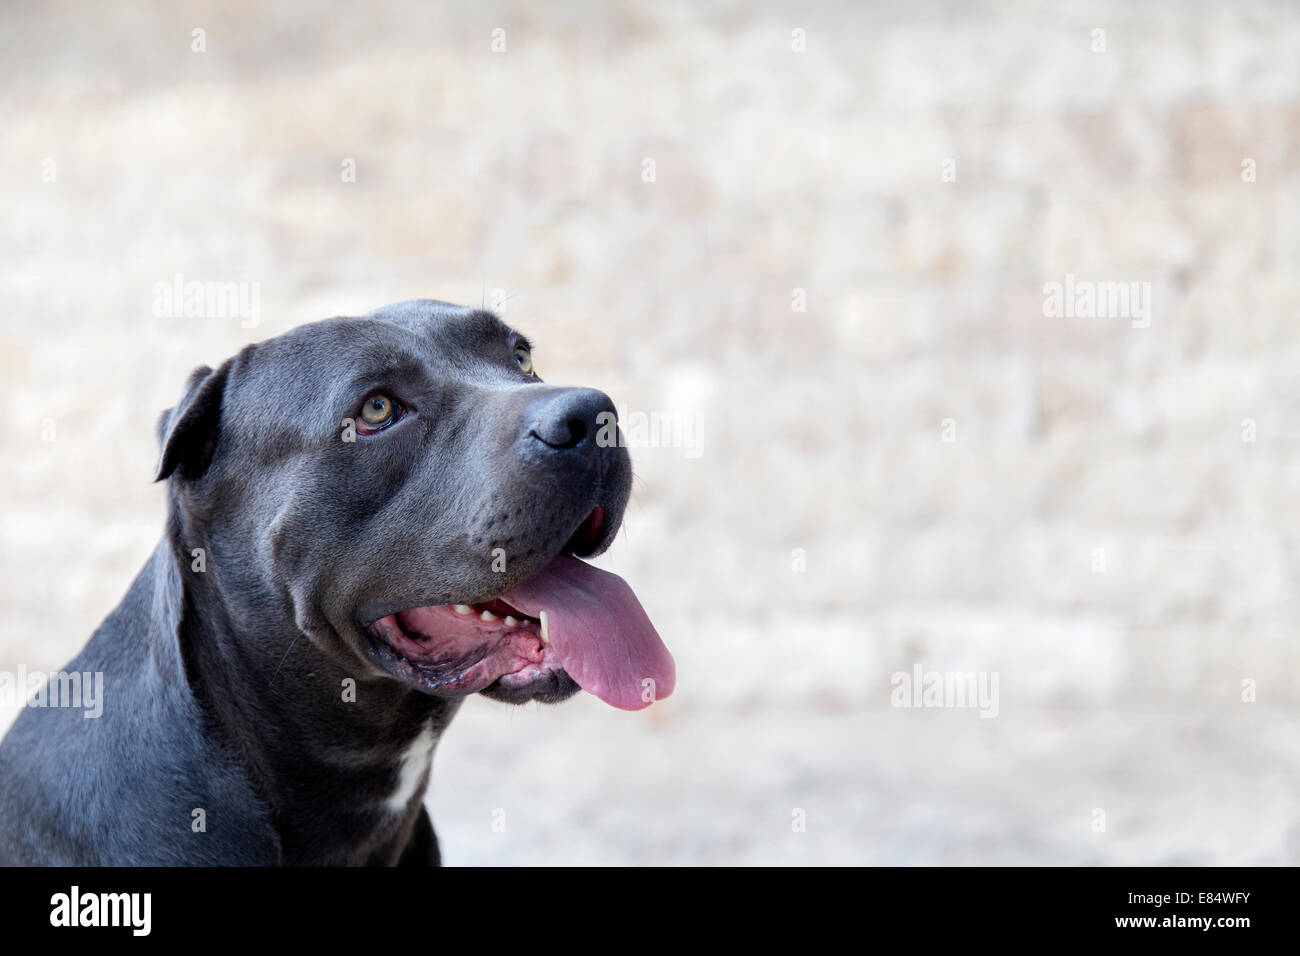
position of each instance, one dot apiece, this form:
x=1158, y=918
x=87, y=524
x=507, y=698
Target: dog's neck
x=340, y=756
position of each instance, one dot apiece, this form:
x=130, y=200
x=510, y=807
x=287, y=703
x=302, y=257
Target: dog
x=369, y=518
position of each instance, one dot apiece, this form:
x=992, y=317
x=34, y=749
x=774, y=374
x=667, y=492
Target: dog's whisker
x=283, y=659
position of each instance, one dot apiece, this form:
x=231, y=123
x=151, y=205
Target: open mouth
x=588, y=535
x=569, y=624
x=464, y=648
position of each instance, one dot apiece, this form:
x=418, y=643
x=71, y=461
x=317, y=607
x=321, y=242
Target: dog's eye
x=378, y=411
x=524, y=358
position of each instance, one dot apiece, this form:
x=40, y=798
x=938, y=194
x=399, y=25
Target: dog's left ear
x=188, y=432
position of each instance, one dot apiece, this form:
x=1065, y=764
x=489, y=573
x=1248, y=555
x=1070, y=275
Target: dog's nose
x=573, y=418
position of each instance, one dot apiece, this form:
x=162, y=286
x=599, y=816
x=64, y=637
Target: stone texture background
x=1098, y=533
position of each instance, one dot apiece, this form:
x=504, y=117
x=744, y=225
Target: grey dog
x=368, y=519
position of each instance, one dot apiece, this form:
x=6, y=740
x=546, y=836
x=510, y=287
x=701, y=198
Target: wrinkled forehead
x=325, y=364
x=443, y=331
x=455, y=324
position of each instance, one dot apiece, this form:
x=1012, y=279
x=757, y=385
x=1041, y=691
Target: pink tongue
x=599, y=631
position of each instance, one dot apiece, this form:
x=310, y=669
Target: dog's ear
x=188, y=432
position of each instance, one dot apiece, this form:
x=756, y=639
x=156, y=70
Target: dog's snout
x=573, y=418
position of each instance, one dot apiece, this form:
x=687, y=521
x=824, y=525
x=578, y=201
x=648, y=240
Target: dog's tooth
x=510, y=621
x=487, y=616
x=545, y=637
x=463, y=609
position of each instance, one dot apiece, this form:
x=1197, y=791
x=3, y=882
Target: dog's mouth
x=454, y=649
x=569, y=626
x=589, y=535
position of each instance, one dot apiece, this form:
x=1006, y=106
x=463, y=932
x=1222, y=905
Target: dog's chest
x=412, y=770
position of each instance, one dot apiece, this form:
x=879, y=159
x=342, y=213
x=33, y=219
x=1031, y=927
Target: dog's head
x=404, y=490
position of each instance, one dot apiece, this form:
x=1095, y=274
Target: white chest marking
x=413, y=769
